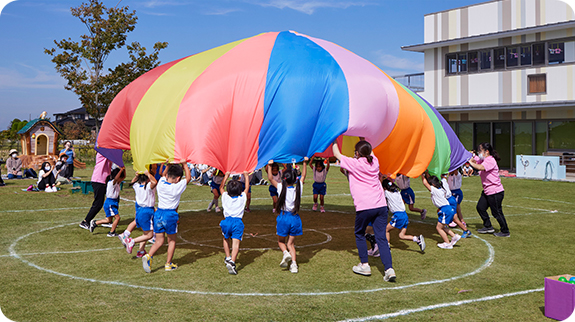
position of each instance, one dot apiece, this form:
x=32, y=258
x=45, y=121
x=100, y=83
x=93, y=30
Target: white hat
x=13, y=151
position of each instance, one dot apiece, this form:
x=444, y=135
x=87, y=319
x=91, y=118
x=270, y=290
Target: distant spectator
x=467, y=170
x=69, y=151
x=46, y=179
x=14, y=165
x=62, y=169
x=2, y=184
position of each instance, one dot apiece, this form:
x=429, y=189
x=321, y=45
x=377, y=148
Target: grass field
x=52, y=270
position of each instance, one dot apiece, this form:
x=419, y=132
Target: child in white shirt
x=112, y=203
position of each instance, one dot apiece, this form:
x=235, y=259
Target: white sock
x=415, y=239
x=127, y=233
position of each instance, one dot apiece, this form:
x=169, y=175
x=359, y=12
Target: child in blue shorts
x=234, y=202
x=399, y=218
x=288, y=222
x=112, y=202
x=319, y=185
x=170, y=189
x=408, y=195
x=277, y=176
x=455, y=181
x=144, y=185
x=445, y=211
x=215, y=183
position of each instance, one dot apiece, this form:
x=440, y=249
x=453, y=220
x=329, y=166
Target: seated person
x=46, y=180
x=62, y=169
x=467, y=170
x=14, y=165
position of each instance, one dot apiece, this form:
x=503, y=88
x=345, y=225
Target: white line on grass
x=441, y=305
x=539, y=199
x=14, y=254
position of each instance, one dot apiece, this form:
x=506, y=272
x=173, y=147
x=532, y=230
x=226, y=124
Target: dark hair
x=319, y=163
x=289, y=178
x=175, y=171
x=142, y=178
x=46, y=163
x=275, y=165
x=234, y=188
x=487, y=146
x=113, y=174
x=434, y=181
x=363, y=148
x=389, y=186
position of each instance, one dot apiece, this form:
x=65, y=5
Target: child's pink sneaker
x=452, y=224
x=141, y=253
x=129, y=245
x=314, y=208
x=321, y=209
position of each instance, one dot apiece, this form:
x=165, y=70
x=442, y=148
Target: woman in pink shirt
x=493, y=192
x=370, y=205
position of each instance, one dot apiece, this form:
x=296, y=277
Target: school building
x=503, y=71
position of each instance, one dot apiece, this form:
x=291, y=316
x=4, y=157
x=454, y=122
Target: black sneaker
x=486, y=230
x=371, y=239
x=500, y=234
x=231, y=266
x=84, y=225
x=112, y=234
x=92, y=225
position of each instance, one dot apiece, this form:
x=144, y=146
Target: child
x=46, y=180
x=288, y=221
x=233, y=201
x=112, y=201
x=467, y=170
x=319, y=185
x=370, y=205
x=445, y=211
x=277, y=176
x=454, y=181
x=170, y=189
x=408, y=195
x=399, y=218
x=144, y=185
x=217, y=179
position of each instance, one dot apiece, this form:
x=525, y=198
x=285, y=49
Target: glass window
x=561, y=135
x=540, y=137
x=482, y=133
x=556, y=53
x=523, y=138
x=462, y=62
x=502, y=143
x=512, y=56
x=525, y=55
x=485, y=59
x=473, y=61
x=499, y=58
x=452, y=63
x=465, y=135
x=538, y=54
x=569, y=51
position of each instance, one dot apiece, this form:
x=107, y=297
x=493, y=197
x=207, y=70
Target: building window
x=452, y=63
x=462, y=62
x=539, y=54
x=473, y=61
x=561, y=135
x=537, y=83
x=499, y=58
x=485, y=59
x=525, y=55
x=556, y=53
x=512, y=57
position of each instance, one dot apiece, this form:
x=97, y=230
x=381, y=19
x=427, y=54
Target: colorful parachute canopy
x=280, y=96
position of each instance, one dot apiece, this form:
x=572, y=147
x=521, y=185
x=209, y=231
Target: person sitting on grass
x=14, y=165
x=399, y=219
x=62, y=169
x=46, y=180
x=170, y=189
x=111, y=204
x=233, y=202
x=144, y=185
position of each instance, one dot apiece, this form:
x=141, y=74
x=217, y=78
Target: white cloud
x=29, y=77
x=397, y=64
x=308, y=6
x=219, y=11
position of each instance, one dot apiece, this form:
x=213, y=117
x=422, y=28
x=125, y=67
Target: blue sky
x=373, y=29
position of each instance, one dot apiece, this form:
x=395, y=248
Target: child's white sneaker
x=362, y=269
x=445, y=246
x=285, y=259
x=293, y=267
x=218, y=209
x=454, y=239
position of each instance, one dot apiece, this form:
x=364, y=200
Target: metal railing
x=415, y=82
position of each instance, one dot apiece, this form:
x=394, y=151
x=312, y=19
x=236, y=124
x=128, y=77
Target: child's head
x=319, y=165
x=234, y=188
x=114, y=173
x=175, y=173
x=389, y=185
x=289, y=176
x=46, y=166
x=363, y=150
x=275, y=168
x=143, y=178
x=63, y=157
x=434, y=181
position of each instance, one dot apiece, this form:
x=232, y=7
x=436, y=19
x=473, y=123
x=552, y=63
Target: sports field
x=52, y=270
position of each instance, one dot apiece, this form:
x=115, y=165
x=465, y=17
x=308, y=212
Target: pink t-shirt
x=364, y=183
x=490, y=177
x=102, y=169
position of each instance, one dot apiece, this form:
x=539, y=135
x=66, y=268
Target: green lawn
x=52, y=270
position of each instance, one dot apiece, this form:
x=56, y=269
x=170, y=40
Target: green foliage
x=82, y=62
x=15, y=126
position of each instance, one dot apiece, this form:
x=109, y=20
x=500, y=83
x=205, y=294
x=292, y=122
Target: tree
x=75, y=130
x=82, y=63
x=15, y=126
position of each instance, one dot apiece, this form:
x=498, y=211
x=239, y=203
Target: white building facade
x=503, y=72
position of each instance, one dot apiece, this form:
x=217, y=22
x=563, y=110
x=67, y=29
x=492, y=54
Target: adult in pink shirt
x=102, y=170
x=370, y=205
x=493, y=192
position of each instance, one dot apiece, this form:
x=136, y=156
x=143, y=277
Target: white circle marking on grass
x=14, y=254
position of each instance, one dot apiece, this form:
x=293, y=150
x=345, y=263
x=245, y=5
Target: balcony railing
x=415, y=82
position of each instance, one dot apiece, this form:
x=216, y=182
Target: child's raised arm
x=120, y=176
x=223, y=185
x=153, y=181
x=336, y=152
x=304, y=170
x=247, y=180
x=425, y=183
x=134, y=179
x=270, y=176
x=186, y=170
x=327, y=165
